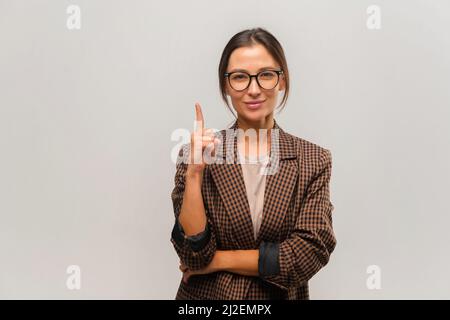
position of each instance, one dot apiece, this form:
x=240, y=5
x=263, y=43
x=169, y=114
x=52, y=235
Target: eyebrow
x=263, y=68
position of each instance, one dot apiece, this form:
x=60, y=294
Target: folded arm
x=298, y=258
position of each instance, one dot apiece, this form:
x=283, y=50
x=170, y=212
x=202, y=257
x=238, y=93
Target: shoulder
x=310, y=153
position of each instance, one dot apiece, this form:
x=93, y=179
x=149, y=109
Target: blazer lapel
x=279, y=186
x=280, y=182
x=228, y=178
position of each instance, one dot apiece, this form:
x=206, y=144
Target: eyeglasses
x=266, y=79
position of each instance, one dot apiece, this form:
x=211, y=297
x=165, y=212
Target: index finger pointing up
x=199, y=122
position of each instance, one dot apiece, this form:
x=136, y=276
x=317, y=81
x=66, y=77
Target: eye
x=239, y=76
x=267, y=74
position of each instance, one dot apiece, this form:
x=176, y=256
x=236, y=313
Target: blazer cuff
x=268, y=261
x=196, y=242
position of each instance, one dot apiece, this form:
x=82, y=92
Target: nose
x=254, y=88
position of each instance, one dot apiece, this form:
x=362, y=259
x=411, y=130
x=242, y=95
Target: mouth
x=253, y=105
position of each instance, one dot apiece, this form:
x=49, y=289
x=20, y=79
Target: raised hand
x=201, y=139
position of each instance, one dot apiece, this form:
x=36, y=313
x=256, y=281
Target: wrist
x=221, y=260
x=194, y=175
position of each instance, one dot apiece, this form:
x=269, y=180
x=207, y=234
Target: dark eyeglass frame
x=278, y=72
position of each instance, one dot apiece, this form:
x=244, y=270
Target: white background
x=86, y=118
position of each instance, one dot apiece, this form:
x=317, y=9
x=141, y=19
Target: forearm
x=243, y=262
x=192, y=214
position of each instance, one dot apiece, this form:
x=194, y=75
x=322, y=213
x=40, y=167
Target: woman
x=241, y=230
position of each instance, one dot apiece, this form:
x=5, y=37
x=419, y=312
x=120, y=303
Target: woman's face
x=254, y=59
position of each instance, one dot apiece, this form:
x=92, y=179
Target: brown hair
x=247, y=38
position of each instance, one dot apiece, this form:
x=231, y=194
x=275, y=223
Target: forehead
x=251, y=59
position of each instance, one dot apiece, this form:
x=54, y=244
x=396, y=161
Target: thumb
x=186, y=276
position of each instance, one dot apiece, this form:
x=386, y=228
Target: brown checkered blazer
x=296, y=215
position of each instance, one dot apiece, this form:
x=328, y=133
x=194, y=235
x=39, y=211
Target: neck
x=266, y=123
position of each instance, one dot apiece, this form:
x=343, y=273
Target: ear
x=282, y=86
x=227, y=91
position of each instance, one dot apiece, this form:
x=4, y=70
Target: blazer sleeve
x=195, y=251
x=297, y=259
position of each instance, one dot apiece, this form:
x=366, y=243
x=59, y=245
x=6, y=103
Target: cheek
x=237, y=97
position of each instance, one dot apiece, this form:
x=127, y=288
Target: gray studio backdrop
x=86, y=118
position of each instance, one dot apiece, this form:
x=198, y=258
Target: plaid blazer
x=296, y=233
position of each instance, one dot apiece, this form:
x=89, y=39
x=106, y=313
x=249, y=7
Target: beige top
x=255, y=184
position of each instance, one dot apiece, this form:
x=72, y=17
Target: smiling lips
x=253, y=105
